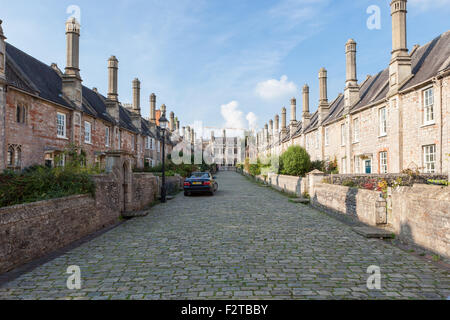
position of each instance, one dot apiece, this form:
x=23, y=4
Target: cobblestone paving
x=247, y=242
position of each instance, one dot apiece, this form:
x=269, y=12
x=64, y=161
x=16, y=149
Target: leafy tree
x=295, y=162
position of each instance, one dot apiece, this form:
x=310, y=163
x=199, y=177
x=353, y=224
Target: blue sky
x=217, y=61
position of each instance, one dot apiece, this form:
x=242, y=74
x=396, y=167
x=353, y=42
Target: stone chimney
x=71, y=81
x=271, y=131
x=293, y=116
x=112, y=102
x=152, y=108
x=136, y=105
x=137, y=96
x=400, y=66
x=192, y=136
x=283, y=123
x=177, y=126
x=163, y=109
x=172, y=122
x=2, y=55
x=324, y=107
x=113, y=70
x=306, y=116
x=276, y=134
x=351, y=84
x=266, y=134
x=213, y=138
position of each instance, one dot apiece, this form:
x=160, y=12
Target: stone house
x=392, y=121
x=43, y=111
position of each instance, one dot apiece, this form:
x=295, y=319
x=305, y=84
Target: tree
x=295, y=162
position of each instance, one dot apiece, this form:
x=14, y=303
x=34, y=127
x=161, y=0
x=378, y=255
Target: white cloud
x=234, y=118
x=427, y=4
x=275, y=89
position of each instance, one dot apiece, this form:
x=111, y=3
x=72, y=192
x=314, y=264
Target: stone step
x=137, y=214
x=371, y=232
x=300, y=200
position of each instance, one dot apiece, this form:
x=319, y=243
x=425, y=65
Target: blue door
x=368, y=166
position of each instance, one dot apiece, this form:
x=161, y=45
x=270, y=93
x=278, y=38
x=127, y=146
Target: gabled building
x=44, y=110
x=395, y=120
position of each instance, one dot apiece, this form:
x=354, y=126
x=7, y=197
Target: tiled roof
x=31, y=75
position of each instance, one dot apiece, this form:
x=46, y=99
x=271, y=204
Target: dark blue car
x=200, y=182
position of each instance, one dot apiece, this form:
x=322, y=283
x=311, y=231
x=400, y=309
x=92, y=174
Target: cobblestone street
x=247, y=242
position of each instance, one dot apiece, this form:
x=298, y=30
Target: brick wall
x=33, y=230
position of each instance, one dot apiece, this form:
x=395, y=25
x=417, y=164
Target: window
x=383, y=122
x=61, y=160
x=356, y=130
x=133, y=142
x=14, y=156
x=107, y=136
x=429, y=158
x=87, y=132
x=357, y=165
x=383, y=162
x=158, y=146
x=10, y=155
x=428, y=103
x=61, y=125
x=119, y=136
x=343, y=136
x=149, y=143
x=327, y=137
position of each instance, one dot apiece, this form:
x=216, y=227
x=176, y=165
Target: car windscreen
x=200, y=175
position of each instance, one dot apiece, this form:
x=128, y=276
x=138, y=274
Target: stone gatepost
x=119, y=167
x=313, y=177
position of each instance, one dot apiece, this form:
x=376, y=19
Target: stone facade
x=390, y=122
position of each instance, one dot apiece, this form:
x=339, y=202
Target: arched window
x=24, y=114
x=18, y=157
x=10, y=155
x=18, y=114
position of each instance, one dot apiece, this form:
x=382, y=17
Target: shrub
x=295, y=162
x=318, y=165
x=331, y=167
x=349, y=183
x=41, y=183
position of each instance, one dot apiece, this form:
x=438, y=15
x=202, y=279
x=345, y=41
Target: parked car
x=200, y=182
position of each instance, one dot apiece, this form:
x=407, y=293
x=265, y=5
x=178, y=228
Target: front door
x=368, y=166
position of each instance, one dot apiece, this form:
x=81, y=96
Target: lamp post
x=163, y=125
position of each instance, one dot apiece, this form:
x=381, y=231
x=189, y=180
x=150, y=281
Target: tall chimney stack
x=293, y=116
x=2, y=55
x=137, y=96
x=113, y=68
x=323, y=102
x=153, y=108
x=351, y=84
x=71, y=81
x=400, y=66
x=283, y=123
x=172, y=122
x=277, y=123
x=306, y=117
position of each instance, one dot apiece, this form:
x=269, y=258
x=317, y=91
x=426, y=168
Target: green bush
x=41, y=183
x=295, y=162
x=318, y=165
x=349, y=183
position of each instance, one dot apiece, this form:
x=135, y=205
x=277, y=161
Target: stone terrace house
x=395, y=120
x=43, y=111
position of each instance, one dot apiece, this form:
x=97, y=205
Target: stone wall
x=421, y=215
x=288, y=184
x=144, y=191
x=407, y=180
x=364, y=205
x=30, y=231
